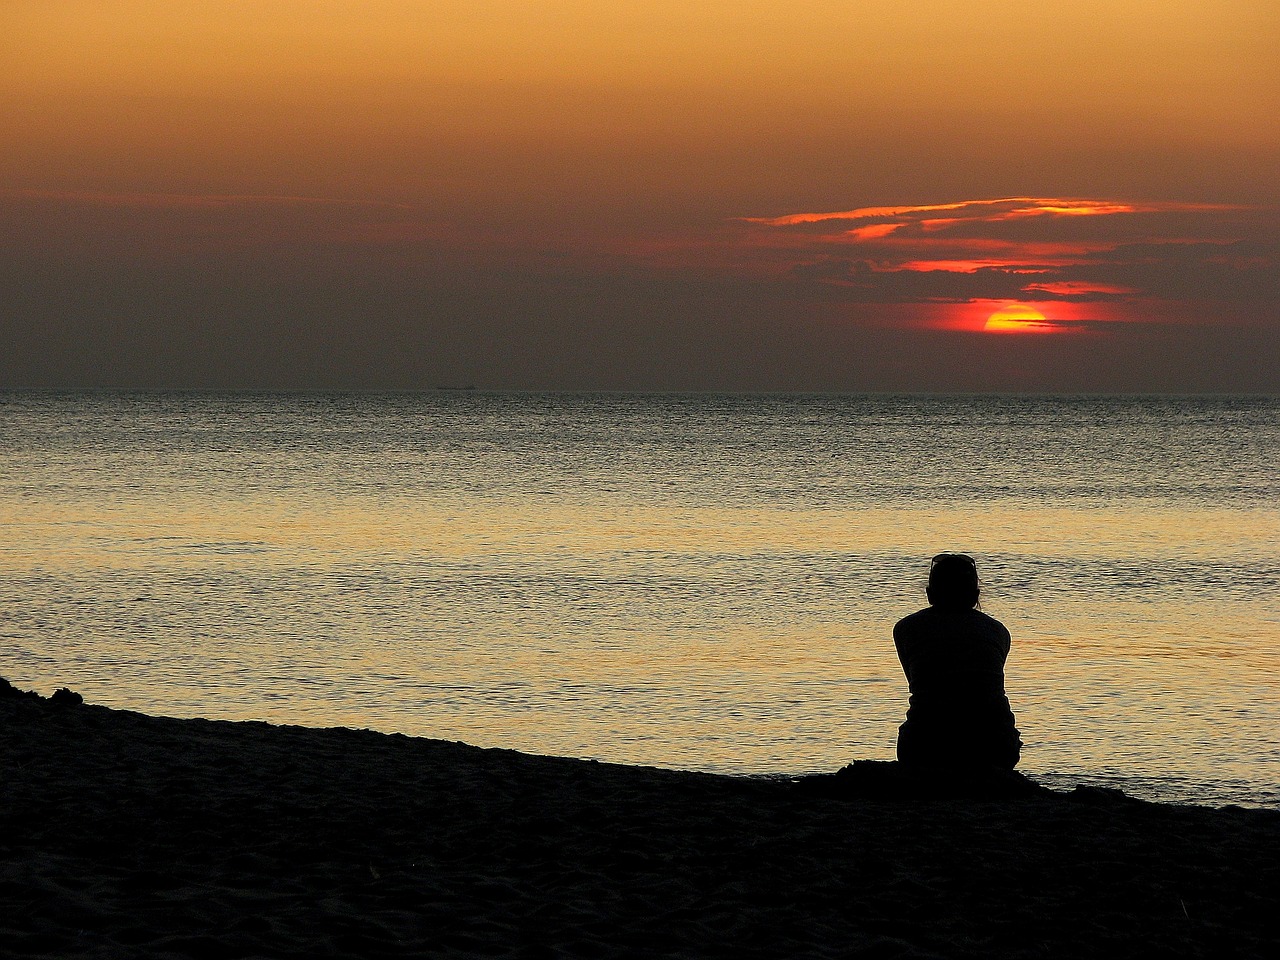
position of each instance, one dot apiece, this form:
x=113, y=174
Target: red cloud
x=1023, y=249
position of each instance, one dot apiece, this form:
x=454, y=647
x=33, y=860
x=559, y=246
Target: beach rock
x=890, y=780
x=63, y=697
x=9, y=692
x=1099, y=795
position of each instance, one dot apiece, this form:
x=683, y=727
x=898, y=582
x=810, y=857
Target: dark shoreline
x=131, y=835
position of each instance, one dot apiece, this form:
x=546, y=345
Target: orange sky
x=625, y=172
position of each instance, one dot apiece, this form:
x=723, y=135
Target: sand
x=134, y=836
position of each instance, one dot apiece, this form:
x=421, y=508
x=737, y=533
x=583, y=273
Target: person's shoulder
x=991, y=624
x=918, y=617
x=912, y=623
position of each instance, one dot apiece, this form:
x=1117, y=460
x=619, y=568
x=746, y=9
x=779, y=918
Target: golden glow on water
x=650, y=623
x=548, y=669
x=196, y=533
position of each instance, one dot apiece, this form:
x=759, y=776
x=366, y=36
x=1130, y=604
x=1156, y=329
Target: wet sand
x=138, y=836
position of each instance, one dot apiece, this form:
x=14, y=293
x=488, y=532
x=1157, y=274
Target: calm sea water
x=703, y=582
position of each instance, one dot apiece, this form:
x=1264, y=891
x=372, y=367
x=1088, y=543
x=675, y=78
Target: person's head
x=953, y=581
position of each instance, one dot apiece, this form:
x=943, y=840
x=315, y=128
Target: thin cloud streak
x=189, y=201
x=1015, y=208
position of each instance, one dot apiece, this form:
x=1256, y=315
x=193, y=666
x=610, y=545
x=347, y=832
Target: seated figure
x=953, y=655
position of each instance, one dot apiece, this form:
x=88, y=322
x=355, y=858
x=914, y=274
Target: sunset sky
x=727, y=194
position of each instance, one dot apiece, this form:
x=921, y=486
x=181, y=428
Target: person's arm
x=902, y=643
x=1006, y=641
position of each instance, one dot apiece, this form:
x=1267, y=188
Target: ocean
x=703, y=582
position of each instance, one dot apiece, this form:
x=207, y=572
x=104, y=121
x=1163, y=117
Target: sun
x=1017, y=318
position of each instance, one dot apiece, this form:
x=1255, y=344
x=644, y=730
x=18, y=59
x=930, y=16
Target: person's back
x=953, y=656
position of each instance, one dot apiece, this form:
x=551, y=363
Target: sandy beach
x=131, y=835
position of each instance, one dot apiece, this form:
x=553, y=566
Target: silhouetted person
x=953, y=656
